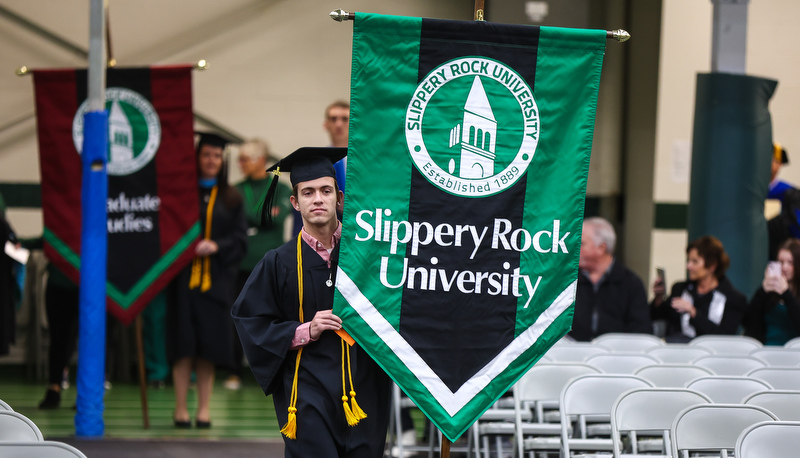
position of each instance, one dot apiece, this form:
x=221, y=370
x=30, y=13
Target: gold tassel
x=352, y=418
x=206, y=285
x=358, y=413
x=197, y=268
x=290, y=428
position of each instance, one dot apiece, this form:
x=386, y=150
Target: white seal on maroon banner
x=134, y=130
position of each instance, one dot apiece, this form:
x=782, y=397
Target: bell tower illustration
x=120, y=135
x=477, y=135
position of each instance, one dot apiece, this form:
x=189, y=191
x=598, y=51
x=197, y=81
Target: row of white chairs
x=21, y=438
x=683, y=419
x=538, y=392
x=704, y=346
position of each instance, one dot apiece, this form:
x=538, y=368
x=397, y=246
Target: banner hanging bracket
x=201, y=64
x=341, y=15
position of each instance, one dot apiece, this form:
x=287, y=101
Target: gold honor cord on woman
x=202, y=268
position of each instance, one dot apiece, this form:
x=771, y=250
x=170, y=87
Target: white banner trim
x=451, y=402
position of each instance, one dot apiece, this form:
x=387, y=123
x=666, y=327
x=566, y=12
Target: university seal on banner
x=472, y=127
x=134, y=130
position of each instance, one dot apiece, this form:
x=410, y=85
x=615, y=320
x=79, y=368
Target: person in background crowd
x=7, y=284
x=707, y=303
x=773, y=316
x=254, y=157
x=787, y=223
x=610, y=297
x=337, y=125
x=205, y=290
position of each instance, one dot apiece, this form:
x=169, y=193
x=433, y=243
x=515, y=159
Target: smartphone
x=661, y=276
x=774, y=269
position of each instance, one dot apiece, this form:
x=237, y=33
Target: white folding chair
x=627, y=342
x=778, y=356
x=677, y=353
x=535, y=393
x=713, y=428
x=649, y=411
x=4, y=406
x=15, y=427
x=727, y=344
x=48, y=449
x=575, y=352
x=587, y=397
x=793, y=343
x=672, y=375
x=770, y=439
x=621, y=363
x=729, y=364
x=727, y=389
x=785, y=404
x=780, y=378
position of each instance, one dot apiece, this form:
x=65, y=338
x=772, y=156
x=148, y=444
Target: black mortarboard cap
x=304, y=164
x=779, y=153
x=213, y=139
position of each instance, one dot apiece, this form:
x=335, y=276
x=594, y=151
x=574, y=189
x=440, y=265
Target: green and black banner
x=152, y=204
x=468, y=157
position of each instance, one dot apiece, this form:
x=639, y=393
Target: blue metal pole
x=92, y=337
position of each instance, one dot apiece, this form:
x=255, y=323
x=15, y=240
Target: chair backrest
x=650, y=410
x=770, y=439
x=785, y=404
x=621, y=363
x=793, y=343
x=714, y=427
x=729, y=364
x=778, y=356
x=727, y=389
x=544, y=381
x=677, y=353
x=626, y=342
x=726, y=344
x=592, y=395
x=780, y=378
x=576, y=352
x=15, y=427
x=49, y=449
x=672, y=375
x=4, y=406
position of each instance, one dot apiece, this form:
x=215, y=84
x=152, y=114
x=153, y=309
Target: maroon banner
x=152, y=202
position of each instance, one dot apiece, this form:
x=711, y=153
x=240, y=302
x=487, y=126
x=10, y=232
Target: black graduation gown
x=266, y=317
x=201, y=320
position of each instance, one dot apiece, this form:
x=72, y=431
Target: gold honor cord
x=202, y=268
x=353, y=414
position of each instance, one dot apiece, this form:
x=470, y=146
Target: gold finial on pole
x=341, y=15
x=22, y=71
x=201, y=64
x=619, y=35
x=479, y=10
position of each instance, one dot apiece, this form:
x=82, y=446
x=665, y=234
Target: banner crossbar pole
x=619, y=34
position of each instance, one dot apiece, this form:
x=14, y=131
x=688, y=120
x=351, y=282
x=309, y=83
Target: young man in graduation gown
x=331, y=398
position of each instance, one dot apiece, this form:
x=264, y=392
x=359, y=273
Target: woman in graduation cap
x=331, y=399
x=204, y=291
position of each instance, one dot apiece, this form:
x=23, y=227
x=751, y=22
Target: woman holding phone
x=773, y=316
x=707, y=302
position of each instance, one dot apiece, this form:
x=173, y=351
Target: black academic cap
x=212, y=139
x=304, y=164
x=779, y=153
